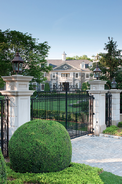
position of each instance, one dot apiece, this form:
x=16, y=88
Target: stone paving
x=102, y=152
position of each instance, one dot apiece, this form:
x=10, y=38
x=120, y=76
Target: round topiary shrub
x=40, y=146
x=3, y=173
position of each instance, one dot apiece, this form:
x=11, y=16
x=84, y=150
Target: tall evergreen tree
x=110, y=62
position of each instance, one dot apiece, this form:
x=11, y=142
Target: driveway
x=102, y=152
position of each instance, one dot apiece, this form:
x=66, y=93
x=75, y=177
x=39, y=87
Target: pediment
x=65, y=67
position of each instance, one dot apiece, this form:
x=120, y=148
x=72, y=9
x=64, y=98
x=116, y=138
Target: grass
x=109, y=178
x=58, y=105
x=113, y=130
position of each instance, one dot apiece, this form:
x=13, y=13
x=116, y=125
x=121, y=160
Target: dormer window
x=90, y=64
x=86, y=65
x=82, y=65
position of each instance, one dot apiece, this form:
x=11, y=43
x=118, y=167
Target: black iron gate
x=4, y=130
x=108, y=109
x=68, y=106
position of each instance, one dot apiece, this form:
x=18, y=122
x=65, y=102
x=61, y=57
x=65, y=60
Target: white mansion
x=74, y=72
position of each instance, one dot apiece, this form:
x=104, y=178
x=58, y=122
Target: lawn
x=59, y=104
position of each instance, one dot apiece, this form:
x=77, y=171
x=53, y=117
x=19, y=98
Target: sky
x=78, y=27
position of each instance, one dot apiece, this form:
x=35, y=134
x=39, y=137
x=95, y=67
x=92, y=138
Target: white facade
x=74, y=72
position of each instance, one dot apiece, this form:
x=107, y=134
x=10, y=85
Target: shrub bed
x=120, y=124
x=40, y=146
x=111, y=130
x=3, y=174
x=56, y=115
x=75, y=174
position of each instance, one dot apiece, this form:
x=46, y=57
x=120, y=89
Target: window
x=86, y=65
x=87, y=75
x=42, y=87
x=65, y=75
x=76, y=75
x=53, y=75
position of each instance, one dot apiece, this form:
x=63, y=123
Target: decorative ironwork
x=108, y=109
x=91, y=112
x=4, y=131
x=68, y=106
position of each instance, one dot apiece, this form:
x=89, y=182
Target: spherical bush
x=40, y=146
x=3, y=174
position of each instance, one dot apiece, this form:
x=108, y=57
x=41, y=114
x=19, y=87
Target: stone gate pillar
x=17, y=90
x=97, y=90
x=115, y=106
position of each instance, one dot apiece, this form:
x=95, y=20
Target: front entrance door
x=66, y=86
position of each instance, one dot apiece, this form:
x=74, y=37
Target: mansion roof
x=76, y=64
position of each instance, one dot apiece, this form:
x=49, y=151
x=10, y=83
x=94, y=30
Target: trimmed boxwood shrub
x=3, y=174
x=110, y=130
x=40, y=146
x=120, y=124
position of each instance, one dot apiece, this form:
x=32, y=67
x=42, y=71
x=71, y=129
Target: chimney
x=64, y=56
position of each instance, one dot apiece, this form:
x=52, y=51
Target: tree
x=32, y=52
x=110, y=62
x=47, y=87
x=84, y=57
x=85, y=86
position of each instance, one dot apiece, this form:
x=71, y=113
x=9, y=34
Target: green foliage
x=32, y=52
x=76, y=173
x=60, y=115
x=120, y=124
x=118, y=79
x=47, y=87
x=111, y=130
x=40, y=146
x=84, y=57
x=3, y=172
x=85, y=86
x=110, y=63
x=109, y=178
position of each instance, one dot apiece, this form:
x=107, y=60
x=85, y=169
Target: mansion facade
x=73, y=72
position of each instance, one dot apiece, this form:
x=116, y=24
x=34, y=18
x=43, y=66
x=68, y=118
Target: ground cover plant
x=113, y=130
x=3, y=173
x=75, y=173
x=109, y=178
x=40, y=146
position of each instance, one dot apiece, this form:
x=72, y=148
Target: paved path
x=102, y=152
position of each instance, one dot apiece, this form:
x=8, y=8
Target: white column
x=115, y=106
x=97, y=90
x=17, y=90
